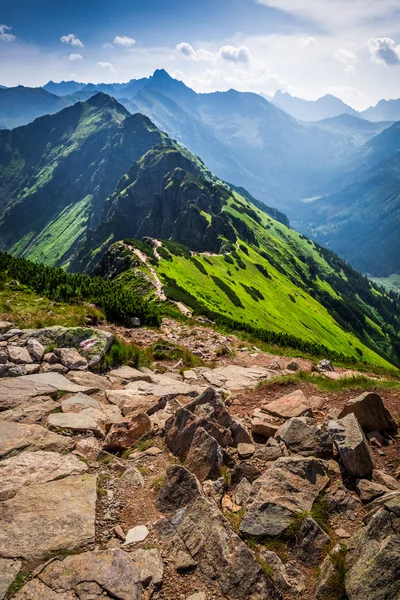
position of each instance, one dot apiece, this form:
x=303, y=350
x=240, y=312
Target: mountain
x=361, y=219
x=359, y=131
x=313, y=110
x=63, y=88
x=94, y=175
x=21, y=105
x=385, y=110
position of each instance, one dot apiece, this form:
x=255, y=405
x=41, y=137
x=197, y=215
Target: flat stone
x=9, y=569
x=246, y=450
x=15, y=390
x=64, y=518
x=70, y=358
x=352, y=445
x=234, y=377
x=31, y=411
x=112, y=570
x=289, y=487
x=82, y=402
x=342, y=533
x=86, y=420
x=56, y=368
x=162, y=386
x=130, y=374
x=90, y=380
x=190, y=375
x=15, y=437
x=136, y=534
x=123, y=434
x=129, y=403
x=262, y=424
x=32, y=468
x=370, y=412
x=36, y=590
x=18, y=355
x=288, y=406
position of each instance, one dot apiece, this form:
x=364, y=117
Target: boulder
x=242, y=492
x=133, y=476
x=263, y=424
x=35, y=349
x=220, y=554
x=15, y=437
x=304, y=436
x=293, y=366
x=130, y=374
x=370, y=412
x=352, y=446
x=150, y=566
x=113, y=571
x=246, y=450
x=312, y=543
x=125, y=433
x=70, y=358
x=9, y=569
x=287, y=577
x=235, y=377
x=16, y=390
x=289, y=487
x=90, y=380
x=36, y=590
x=179, y=489
x=369, y=490
x=82, y=402
x=64, y=518
x=288, y=406
x=180, y=432
x=324, y=366
x=373, y=557
x=32, y=468
x=205, y=456
x=18, y=355
x=268, y=452
x=50, y=358
x=162, y=385
x=31, y=411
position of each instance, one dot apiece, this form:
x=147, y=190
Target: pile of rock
x=51, y=349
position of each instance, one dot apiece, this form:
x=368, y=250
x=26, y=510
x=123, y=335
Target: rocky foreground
x=193, y=484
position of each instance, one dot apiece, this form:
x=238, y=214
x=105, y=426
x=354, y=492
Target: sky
x=349, y=48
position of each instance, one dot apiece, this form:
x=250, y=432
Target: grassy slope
x=285, y=308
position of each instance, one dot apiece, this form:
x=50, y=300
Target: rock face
x=220, y=553
x=179, y=489
x=123, y=434
x=29, y=468
x=205, y=457
x=352, y=446
x=64, y=518
x=373, y=559
x=15, y=437
x=304, y=436
x=291, y=405
x=370, y=412
x=286, y=489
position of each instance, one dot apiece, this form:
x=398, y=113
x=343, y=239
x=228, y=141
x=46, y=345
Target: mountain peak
x=101, y=100
x=161, y=75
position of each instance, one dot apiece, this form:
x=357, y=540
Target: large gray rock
x=205, y=457
x=113, y=571
x=304, y=436
x=19, y=356
x=30, y=411
x=220, y=554
x=371, y=413
x=9, y=569
x=31, y=468
x=150, y=566
x=162, y=385
x=373, y=558
x=289, y=487
x=90, y=380
x=352, y=446
x=89, y=420
x=312, y=543
x=263, y=424
x=235, y=377
x=82, y=402
x=15, y=390
x=46, y=518
x=369, y=490
x=179, y=489
x=15, y=437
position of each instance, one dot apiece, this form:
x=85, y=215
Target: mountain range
x=81, y=188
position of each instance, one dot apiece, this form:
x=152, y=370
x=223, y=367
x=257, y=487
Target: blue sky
x=308, y=47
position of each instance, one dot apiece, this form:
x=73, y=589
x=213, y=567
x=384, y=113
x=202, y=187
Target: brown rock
x=124, y=434
x=370, y=412
x=290, y=405
x=352, y=446
x=205, y=457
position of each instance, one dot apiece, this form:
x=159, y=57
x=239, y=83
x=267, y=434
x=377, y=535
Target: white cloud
x=71, y=39
x=307, y=42
x=235, y=54
x=333, y=13
x=347, y=57
x=210, y=80
x=384, y=51
x=106, y=66
x=189, y=52
x=73, y=57
x=350, y=70
x=124, y=41
x=4, y=36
